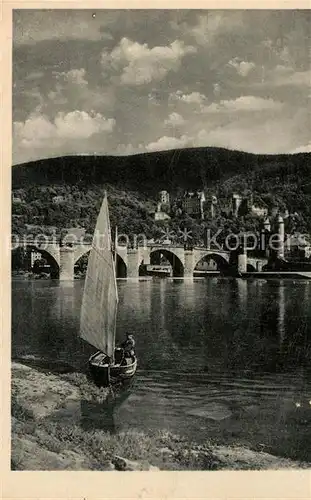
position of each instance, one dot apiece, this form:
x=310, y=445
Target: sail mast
x=115, y=281
x=100, y=298
x=115, y=248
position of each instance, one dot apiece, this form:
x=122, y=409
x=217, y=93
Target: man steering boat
x=128, y=346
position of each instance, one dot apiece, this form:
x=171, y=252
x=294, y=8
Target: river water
x=220, y=359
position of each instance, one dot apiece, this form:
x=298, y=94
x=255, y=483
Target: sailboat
x=109, y=364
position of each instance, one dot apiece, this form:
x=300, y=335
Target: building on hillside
x=267, y=225
x=211, y=205
x=259, y=211
x=163, y=207
x=160, y=215
x=16, y=199
x=243, y=205
x=193, y=203
x=236, y=202
x=57, y=200
x=297, y=247
x=225, y=209
x=164, y=198
x=274, y=211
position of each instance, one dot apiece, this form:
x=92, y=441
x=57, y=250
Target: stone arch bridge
x=183, y=261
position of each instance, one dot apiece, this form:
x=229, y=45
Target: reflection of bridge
x=129, y=260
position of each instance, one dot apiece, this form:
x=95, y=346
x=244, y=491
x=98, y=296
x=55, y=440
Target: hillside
x=134, y=181
x=151, y=172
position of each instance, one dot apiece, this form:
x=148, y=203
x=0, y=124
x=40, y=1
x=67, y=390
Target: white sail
x=100, y=297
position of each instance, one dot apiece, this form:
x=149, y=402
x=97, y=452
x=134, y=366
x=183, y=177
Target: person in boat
x=128, y=346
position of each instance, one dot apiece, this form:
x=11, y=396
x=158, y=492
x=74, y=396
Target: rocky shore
x=47, y=434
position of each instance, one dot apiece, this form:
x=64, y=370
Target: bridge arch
x=81, y=251
x=171, y=257
x=80, y=264
x=121, y=267
x=46, y=255
x=82, y=260
x=220, y=261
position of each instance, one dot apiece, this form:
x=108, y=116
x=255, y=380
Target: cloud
x=270, y=133
x=192, y=98
x=174, y=120
x=69, y=84
x=277, y=133
x=206, y=28
x=214, y=23
x=302, y=149
x=138, y=64
x=284, y=76
x=281, y=77
x=77, y=125
x=129, y=149
x=239, y=136
x=153, y=98
x=81, y=125
x=71, y=90
x=33, y=131
x=165, y=143
x=34, y=96
x=276, y=51
x=74, y=76
x=244, y=103
x=216, y=89
x=243, y=68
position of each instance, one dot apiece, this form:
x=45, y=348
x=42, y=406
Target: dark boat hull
x=104, y=374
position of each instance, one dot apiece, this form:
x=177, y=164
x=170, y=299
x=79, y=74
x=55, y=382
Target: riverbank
x=47, y=436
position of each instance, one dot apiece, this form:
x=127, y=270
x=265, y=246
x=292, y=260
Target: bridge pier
x=242, y=263
x=66, y=263
x=145, y=255
x=189, y=264
x=133, y=262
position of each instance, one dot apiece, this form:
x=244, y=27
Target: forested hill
x=133, y=183
x=191, y=168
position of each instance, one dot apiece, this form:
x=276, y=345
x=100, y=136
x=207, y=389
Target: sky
x=129, y=81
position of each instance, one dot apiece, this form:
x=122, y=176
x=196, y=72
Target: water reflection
x=242, y=292
x=281, y=315
x=215, y=324
x=103, y=415
x=134, y=302
x=186, y=293
x=64, y=307
x=158, y=305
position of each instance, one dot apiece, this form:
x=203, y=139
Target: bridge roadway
x=183, y=261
